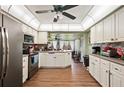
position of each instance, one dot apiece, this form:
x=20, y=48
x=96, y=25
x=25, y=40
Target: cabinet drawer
x=117, y=68
x=105, y=63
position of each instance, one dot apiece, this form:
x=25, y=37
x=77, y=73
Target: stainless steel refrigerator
x=11, y=40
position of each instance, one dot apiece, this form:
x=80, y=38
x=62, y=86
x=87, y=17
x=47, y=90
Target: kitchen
x=55, y=45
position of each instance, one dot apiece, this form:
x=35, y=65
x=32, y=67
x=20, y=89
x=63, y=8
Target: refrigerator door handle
x=7, y=51
x=2, y=50
x=4, y=53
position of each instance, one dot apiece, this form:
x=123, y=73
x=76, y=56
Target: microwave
x=28, y=39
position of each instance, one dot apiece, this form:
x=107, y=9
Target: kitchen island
x=55, y=59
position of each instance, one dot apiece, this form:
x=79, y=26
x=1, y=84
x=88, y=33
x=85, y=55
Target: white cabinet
x=94, y=67
x=99, y=32
x=120, y=25
x=93, y=35
x=29, y=31
x=34, y=33
x=91, y=65
x=42, y=37
x=116, y=75
x=104, y=77
x=53, y=59
x=109, y=29
x=113, y=29
x=106, y=73
x=116, y=80
x=42, y=59
x=60, y=59
x=25, y=68
x=68, y=59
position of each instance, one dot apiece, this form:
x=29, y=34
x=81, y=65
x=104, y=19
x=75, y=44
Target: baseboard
x=55, y=66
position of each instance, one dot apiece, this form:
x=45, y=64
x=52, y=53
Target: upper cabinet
x=109, y=30
x=99, y=32
x=120, y=25
x=92, y=35
x=42, y=37
x=29, y=31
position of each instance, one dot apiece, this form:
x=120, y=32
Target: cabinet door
x=42, y=59
x=93, y=35
x=60, y=59
x=96, y=71
x=116, y=80
x=51, y=60
x=25, y=68
x=91, y=65
x=120, y=25
x=68, y=59
x=104, y=77
x=42, y=37
x=35, y=36
x=109, y=29
x=99, y=32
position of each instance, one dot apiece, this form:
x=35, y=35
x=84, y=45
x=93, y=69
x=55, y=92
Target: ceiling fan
x=59, y=9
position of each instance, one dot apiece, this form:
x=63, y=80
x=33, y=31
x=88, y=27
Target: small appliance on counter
x=96, y=49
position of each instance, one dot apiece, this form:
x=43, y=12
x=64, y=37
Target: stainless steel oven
x=33, y=64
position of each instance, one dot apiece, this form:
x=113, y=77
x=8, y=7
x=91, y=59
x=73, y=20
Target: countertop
x=114, y=60
x=55, y=51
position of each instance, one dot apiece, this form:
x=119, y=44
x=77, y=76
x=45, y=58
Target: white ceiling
x=47, y=18
x=87, y=15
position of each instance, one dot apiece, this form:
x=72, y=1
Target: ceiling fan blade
x=68, y=7
x=44, y=11
x=68, y=15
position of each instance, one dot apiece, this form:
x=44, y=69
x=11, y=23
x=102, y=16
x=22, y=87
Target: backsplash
x=115, y=49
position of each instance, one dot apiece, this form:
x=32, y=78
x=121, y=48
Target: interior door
x=0, y=48
x=14, y=69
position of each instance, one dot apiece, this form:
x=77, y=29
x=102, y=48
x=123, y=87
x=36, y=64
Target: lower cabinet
x=116, y=80
x=116, y=75
x=104, y=70
x=53, y=59
x=25, y=68
x=94, y=67
x=107, y=73
x=42, y=59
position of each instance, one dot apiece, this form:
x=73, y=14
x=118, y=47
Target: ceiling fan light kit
x=60, y=11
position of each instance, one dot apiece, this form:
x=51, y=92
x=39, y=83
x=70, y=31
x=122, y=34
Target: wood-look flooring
x=74, y=76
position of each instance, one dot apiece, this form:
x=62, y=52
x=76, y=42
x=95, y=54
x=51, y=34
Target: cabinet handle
x=116, y=39
x=116, y=69
x=54, y=57
x=112, y=39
